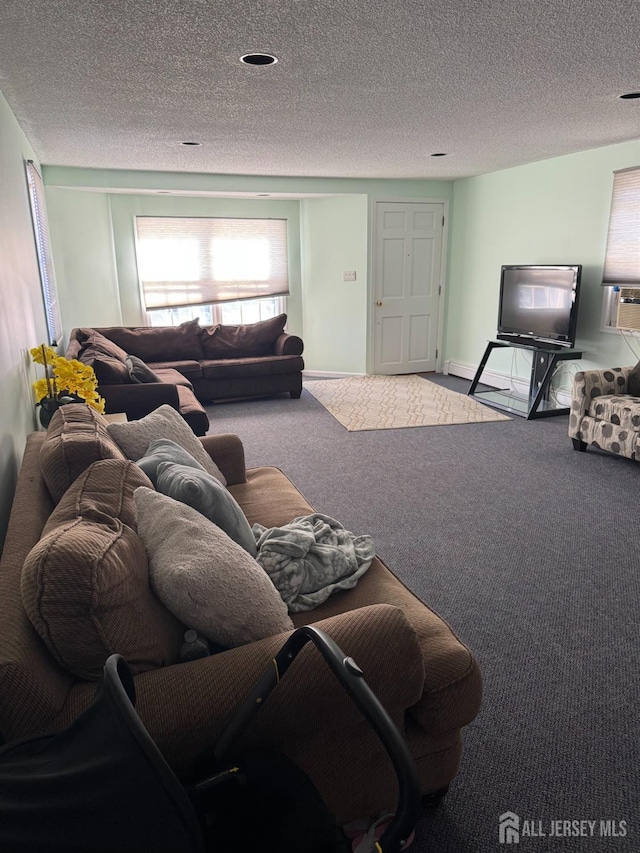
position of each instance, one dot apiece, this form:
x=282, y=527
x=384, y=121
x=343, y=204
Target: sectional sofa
x=140, y=368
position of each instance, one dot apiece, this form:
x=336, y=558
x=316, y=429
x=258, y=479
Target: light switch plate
x=349, y=275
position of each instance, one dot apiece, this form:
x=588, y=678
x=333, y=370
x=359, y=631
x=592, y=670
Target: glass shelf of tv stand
x=517, y=404
x=537, y=404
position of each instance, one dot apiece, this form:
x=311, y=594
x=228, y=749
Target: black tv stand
x=529, y=343
x=537, y=404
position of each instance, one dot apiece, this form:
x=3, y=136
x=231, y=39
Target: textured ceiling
x=361, y=89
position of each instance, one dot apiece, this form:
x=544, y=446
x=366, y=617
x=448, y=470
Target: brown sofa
x=423, y=674
x=190, y=365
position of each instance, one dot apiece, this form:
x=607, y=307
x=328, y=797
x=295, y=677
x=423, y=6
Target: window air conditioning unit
x=629, y=309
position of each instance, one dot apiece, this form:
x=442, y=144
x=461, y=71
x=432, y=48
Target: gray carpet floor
x=530, y=551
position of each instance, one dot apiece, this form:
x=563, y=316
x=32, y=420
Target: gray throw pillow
x=165, y=450
x=139, y=371
x=203, y=492
x=203, y=577
x=134, y=437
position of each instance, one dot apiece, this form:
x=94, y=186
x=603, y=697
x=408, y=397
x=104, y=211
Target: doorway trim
x=373, y=220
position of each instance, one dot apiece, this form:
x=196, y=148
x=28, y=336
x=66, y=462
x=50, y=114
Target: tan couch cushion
x=85, y=584
x=76, y=437
x=452, y=687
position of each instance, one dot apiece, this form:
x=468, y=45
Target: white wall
x=22, y=319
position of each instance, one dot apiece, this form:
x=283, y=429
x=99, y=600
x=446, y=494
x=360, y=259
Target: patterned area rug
x=393, y=402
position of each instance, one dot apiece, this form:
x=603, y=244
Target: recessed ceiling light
x=439, y=154
x=192, y=144
x=258, y=59
x=630, y=96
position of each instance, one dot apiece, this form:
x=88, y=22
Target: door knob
x=378, y=303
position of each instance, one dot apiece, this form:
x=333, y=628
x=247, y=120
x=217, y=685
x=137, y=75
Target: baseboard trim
x=327, y=374
x=500, y=380
x=467, y=371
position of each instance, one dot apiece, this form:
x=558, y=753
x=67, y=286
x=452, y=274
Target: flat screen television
x=539, y=304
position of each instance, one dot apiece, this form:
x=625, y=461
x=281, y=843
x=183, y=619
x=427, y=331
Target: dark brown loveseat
x=427, y=679
x=192, y=365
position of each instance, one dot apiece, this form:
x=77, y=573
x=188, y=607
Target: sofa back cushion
x=245, y=341
x=158, y=343
x=106, y=358
x=85, y=584
x=76, y=437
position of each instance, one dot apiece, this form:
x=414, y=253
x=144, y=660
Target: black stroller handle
x=352, y=680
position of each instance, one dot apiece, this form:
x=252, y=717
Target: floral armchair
x=604, y=413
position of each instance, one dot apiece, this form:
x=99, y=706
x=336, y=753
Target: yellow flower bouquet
x=65, y=381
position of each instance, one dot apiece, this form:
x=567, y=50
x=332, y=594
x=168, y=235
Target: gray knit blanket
x=311, y=557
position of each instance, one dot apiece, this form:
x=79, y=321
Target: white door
x=406, y=288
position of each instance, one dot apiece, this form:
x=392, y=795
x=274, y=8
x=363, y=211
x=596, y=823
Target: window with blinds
x=185, y=261
x=622, y=258
x=621, y=275
x=43, y=250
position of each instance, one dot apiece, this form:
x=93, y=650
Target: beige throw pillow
x=134, y=437
x=203, y=577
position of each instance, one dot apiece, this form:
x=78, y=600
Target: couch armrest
x=287, y=344
x=186, y=706
x=588, y=384
x=138, y=400
x=227, y=451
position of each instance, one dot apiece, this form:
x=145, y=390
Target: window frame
x=40, y=223
x=623, y=236
x=209, y=287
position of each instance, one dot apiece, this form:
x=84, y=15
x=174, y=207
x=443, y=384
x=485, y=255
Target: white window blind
x=622, y=259
x=43, y=250
x=197, y=261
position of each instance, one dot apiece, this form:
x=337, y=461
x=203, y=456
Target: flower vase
x=48, y=407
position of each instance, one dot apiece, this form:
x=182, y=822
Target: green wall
x=22, y=320
x=334, y=240
x=94, y=215
x=125, y=207
x=82, y=244
x=554, y=211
